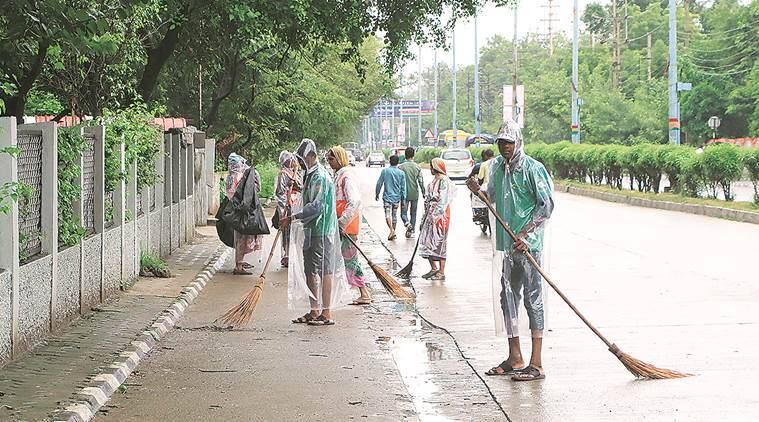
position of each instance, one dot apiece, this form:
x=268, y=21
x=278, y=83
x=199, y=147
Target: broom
x=405, y=272
x=637, y=367
x=240, y=314
x=388, y=281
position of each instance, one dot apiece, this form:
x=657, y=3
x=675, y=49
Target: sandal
x=437, y=276
x=305, y=319
x=529, y=373
x=362, y=301
x=321, y=320
x=238, y=272
x=503, y=369
x=429, y=274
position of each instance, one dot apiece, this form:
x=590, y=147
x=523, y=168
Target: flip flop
x=305, y=319
x=505, y=367
x=360, y=301
x=429, y=274
x=437, y=276
x=321, y=320
x=238, y=272
x=529, y=373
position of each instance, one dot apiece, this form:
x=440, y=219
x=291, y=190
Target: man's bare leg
x=536, y=359
x=327, y=295
x=312, y=286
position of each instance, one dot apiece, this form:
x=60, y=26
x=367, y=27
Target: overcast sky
x=494, y=20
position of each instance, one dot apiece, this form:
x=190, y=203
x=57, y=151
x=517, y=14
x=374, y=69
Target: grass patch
x=664, y=196
x=153, y=265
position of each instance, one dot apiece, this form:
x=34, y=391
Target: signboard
x=402, y=108
x=428, y=134
x=714, y=122
x=508, y=106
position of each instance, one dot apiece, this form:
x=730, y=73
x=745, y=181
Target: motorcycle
x=480, y=213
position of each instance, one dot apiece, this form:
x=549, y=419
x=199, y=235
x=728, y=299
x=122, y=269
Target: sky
x=494, y=20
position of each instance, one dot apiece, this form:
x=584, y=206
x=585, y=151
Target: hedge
x=645, y=164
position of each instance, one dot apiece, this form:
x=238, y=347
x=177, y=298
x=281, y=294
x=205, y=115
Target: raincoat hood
x=236, y=164
x=286, y=159
x=511, y=132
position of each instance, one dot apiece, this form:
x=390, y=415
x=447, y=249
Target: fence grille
x=139, y=203
x=152, y=198
x=88, y=186
x=109, y=210
x=30, y=208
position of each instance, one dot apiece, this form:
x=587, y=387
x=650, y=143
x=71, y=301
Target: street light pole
x=476, y=81
x=435, y=105
x=453, y=53
x=674, y=107
x=514, y=105
x=419, y=106
x=575, y=77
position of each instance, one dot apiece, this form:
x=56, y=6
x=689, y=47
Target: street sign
x=684, y=86
x=428, y=134
x=714, y=122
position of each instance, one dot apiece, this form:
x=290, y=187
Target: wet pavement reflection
x=672, y=289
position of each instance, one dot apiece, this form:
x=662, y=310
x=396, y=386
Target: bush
x=675, y=162
x=612, y=160
x=268, y=173
x=425, y=155
x=751, y=162
x=722, y=166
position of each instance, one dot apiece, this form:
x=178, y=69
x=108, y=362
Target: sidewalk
x=33, y=387
x=271, y=369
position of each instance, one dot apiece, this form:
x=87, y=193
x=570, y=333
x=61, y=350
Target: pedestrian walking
x=433, y=236
x=348, y=207
x=393, y=181
x=414, y=184
x=483, y=173
x=248, y=248
x=287, y=191
x=522, y=192
x=316, y=275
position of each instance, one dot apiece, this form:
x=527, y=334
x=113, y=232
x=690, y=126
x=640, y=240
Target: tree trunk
x=157, y=58
x=16, y=104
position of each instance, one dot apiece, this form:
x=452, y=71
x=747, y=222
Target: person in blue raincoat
x=522, y=192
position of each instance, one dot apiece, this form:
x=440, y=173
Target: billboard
x=402, y=108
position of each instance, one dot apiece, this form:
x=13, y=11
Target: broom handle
x=271, y=254
x=542, y=273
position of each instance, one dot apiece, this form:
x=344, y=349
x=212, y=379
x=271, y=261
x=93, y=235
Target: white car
x=351, y=158
x=458, y=162
x=376, y=157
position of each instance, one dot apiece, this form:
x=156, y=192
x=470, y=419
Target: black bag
x=275, y=219
x=225, y=231
x=244, y=212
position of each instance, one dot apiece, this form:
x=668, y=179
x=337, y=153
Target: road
x=674, y=289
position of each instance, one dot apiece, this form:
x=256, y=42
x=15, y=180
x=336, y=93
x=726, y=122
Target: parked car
x=351, y=158
x=376, y=158
x=358, y=154
x=458, y=162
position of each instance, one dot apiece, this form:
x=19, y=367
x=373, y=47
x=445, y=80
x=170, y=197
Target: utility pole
x=476, y=81
x=453, y=53
x=649, y=40
x=550, y=22
x=419, y=106
x=514, y=102
x=687, y=20
x=575, y=76
x=626, y=18
x=393, y=135
x=615, y=57
x=674, y=105
x=435, y=102
x=200, y=95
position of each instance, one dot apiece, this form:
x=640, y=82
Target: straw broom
x=240, y=314
x=637, y=367
x=405, y=272
x=387, y=280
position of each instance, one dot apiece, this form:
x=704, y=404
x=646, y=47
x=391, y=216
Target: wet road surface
x=673, y=289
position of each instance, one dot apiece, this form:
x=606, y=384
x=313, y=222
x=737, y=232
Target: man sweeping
x=521, y=190
x=316, y=274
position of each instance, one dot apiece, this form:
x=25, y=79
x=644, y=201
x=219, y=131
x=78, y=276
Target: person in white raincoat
x=522, y=192
x=316, y=275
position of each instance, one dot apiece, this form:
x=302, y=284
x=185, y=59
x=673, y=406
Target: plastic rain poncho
x=316, y=274
x=433, y=234
x=248, y=248
x=522, y=193
x=287, y=190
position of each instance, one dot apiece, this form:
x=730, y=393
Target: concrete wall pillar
x=131, y=206
x=210, y=176
x=99, y=198
x=120, y=204
x=9, y=228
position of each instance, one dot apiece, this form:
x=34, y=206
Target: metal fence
x=30, y=207
x=139, y=203
x=109, y=210
x=88, y=185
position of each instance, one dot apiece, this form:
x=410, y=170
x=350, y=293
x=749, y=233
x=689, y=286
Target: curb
x=88, y=400
x=706, y=210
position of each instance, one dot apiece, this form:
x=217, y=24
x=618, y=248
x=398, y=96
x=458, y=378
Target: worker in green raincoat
x=522, y=192
x=316, y=272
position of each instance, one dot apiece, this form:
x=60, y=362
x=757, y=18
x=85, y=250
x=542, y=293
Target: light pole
x=453, y=60
x=476, y=81
x=575, y=77
x=674, y=109
x=419, y=106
